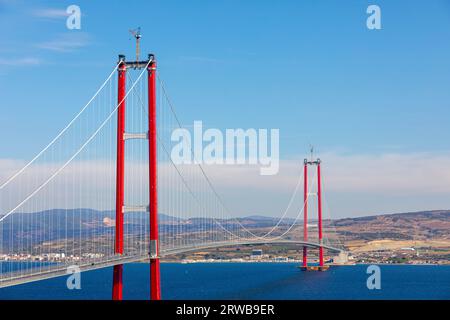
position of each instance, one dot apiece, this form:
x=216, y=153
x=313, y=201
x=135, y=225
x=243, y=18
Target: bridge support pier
x=155, y=277
x=120, y=169
x=120, y=177
x=117, y=282
x=319, y=213
x=305, y=214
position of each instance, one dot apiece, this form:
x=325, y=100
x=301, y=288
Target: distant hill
x=420, y=225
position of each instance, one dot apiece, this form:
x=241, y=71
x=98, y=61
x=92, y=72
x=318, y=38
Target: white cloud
x=18, y=62
x=66, y=42
x=356, y=184
x=402, y=174
x=50, y=13
x=414, y=173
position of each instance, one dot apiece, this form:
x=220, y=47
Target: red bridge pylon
x=150, y=64
x=306, y=195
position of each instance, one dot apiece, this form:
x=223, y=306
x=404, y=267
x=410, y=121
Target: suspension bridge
x=105, y=192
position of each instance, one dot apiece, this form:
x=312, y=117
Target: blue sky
x=310, y=68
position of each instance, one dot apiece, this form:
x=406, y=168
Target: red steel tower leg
x=319, y=197
x=120, y=177
x=117, y=282
x=155, y=281
x=305, y=213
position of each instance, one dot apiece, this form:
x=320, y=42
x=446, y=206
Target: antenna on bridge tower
x=137, y=35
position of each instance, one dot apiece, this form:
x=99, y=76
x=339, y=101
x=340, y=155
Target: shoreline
x=295, y=262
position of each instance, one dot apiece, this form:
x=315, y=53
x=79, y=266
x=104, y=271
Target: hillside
x=422, y=225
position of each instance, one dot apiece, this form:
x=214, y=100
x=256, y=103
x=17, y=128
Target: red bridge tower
x=305, y=266
x=122, y=136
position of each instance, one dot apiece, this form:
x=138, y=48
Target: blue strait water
x=248, y=281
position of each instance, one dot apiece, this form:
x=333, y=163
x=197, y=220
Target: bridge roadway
x=53, y=271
